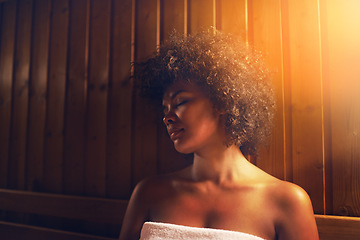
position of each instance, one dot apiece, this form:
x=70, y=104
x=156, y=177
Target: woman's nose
x=169, y=118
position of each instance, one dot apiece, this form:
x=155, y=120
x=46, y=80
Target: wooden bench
x=100, y=210
x=87, y=209
x=338, y=228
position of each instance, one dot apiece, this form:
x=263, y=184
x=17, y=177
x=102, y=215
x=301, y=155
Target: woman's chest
x=238, y=211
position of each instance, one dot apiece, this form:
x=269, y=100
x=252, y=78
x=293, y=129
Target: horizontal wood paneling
x=334, y=227
x=72, y=123
x=21, y=231
x=73, y=207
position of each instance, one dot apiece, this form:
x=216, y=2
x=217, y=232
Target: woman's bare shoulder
x=147, y=193
x=156, y=186
x=287, y=193
x=294, y=213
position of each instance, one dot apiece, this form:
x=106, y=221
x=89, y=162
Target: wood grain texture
x=120, y=103
x=266, y=22
x=334, y=228
x=286, y=66
x=54, y=130
x=344, y=57
x=7, y=39
x=306, y=99
x=323, y=12
x=201, y=15
x=232, y=17
x=18, y=138
x=99, y=210
x=174, y=17
x=99, y=57
x=21, y=231
x=38, y=94
x=75, y=128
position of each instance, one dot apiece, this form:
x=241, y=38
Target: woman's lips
x=175, y=133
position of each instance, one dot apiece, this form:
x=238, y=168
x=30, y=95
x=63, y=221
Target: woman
x=218, y=104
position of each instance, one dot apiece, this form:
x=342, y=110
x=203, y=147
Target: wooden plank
x=7, y=39
x=53, y=152
x=74, y=141
x=17, y=165
x=285, y=36
x=343, y=75
x=146, y=26
x=120, y=103
x=327, y=107
x=20, y=231
x=98, y=210
x=266, y=22
x=38, y=94
x=233, y=17
x=334, y=227
x=99, y=51
x=146, y=117
x=306, y=99
x=201, y=15
x=174, y=15
x=1, y=18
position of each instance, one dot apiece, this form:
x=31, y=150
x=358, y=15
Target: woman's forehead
x=180, y=86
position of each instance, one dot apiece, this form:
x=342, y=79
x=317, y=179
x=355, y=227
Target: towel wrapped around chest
x=166, y=231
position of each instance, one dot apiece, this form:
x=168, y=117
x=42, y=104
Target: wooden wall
x=71, y=122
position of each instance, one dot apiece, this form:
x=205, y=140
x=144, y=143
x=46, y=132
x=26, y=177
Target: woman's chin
x=181, y=148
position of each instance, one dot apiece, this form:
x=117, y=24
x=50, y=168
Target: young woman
x=218, y=104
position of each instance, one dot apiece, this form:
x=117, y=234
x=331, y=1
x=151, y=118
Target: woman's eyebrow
x=177, y=93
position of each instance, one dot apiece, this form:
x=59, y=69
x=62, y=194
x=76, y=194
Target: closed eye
x=182, y=103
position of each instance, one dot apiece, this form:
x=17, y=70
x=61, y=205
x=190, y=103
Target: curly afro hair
x=232, y=74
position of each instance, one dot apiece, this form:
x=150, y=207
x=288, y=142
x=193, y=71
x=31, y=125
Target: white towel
x=166, y=231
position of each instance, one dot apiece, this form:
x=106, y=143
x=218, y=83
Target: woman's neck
x=221, y=166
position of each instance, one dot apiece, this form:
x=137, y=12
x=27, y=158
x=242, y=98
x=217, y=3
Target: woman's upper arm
x=297, y=219
x=136, y=213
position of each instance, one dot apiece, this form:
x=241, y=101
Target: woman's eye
x=181, y=102
x=177, y=103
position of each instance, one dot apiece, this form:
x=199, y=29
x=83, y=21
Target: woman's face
x=191, y=121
